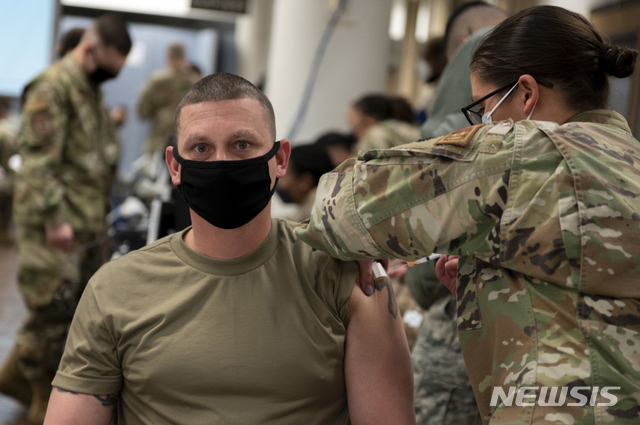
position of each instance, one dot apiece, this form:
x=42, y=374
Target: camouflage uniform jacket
x=388, y=134
x=159, y=99
x=8, y=132
x=69, y=149
x=546, y=220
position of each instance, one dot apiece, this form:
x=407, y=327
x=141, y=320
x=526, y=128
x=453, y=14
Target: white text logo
x=553, y=396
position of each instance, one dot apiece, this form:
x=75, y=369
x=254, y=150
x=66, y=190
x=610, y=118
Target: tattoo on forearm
x=392, y=305
x=107, y=400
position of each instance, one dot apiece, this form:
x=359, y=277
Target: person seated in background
x=306, y=165
x=233, y=320
x=338, y=146
x=430, y=68
x=161, y=95
x=381, y=122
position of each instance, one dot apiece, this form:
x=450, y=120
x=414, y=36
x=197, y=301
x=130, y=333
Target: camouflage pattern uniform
x=159, y=99
x=69, y=149
x=442, y=390
x=545, y=220
x=387, y=134
x=454, y=89
x=8, y=132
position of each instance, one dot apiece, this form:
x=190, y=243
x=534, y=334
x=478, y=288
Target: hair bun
x=619, y=61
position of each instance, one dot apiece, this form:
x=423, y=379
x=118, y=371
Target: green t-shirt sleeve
x=344, y=288
x=335, y=281
x=90, y=364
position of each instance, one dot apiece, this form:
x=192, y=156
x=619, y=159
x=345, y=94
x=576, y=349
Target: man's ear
x=172, y=164
x=282, y=158
x=529, y=92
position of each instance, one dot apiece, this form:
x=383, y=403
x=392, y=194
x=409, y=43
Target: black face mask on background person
x=228, y=194
x=100, y=75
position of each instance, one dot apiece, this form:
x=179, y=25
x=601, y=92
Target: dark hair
x=457, y=26
x=456, y=14
x=555, y=46
x=346, y=141
x=223, y=86
x=112, y=31
x=69, y=40
x=311, y=159
x=435, y=54
x=382, y=107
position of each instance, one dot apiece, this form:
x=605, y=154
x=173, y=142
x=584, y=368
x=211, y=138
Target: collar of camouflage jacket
x=602, y=116
x=78, y=78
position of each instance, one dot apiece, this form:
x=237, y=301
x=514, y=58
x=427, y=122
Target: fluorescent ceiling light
x=398, y=22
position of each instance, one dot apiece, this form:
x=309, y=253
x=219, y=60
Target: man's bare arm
x=70, y=408
x=378, y=367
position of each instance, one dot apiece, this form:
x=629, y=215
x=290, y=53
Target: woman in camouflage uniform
x=543, y=209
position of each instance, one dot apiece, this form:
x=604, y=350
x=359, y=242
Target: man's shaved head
x=109, y=30
x=223, y=86
x=467, y=19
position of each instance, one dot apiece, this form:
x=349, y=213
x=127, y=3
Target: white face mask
x=486, y=118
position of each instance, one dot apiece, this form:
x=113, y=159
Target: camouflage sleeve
x=41, y=145
x=443, y=194
x=112, y=147
x=146, y=103
x=6, y=149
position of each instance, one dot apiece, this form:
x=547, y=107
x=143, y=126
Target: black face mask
x=228, y=194
x=100, y=75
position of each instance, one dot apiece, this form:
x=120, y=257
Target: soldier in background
x=162, y=94
x=467, y=26
x=68, y=42
x=8, y=132
x=542, y=208
x=69, y=149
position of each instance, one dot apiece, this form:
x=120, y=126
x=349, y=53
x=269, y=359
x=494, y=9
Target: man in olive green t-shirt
x=234, y=320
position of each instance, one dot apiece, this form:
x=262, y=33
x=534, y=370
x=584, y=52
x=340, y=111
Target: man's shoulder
x=302, y=253
x=161, y=76
x=52, y=82
x=135, y=264
x=287, y=238
x=56, y=75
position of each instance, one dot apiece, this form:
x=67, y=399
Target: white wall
x=355, y=62
x=252, y=36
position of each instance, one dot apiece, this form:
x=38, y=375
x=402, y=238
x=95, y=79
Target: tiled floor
x=12, y=313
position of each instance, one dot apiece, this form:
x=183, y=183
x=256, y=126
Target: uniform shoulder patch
x=42, y=123
x=459, y=137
